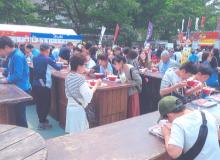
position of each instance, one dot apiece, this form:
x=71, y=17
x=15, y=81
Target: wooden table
x=110, y=101
x=125, y=140
x=10, y=95
x=19, y=143
x=150, y=95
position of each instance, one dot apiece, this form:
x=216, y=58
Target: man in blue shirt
x=166, y=62
x=18, y=74
x=42, y=70
x=193, y=58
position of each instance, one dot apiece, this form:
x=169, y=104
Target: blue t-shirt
x=109, y=68
x=42, y=69
x=193, y=58
x=18, y=70
x=213, y=79
x=35, y=52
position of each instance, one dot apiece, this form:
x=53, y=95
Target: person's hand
x=1, y=69
x=107, y=72
x=92, y=70
x=99, y=82
x=181, y=84
x=200, y=86
x=166, y=129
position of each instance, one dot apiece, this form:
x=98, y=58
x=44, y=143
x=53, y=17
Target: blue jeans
x=20, y=114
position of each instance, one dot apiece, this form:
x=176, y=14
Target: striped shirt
x=73, y=83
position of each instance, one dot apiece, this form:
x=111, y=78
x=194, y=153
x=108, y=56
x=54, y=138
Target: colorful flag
x=188, y=28
x=189, y=23
x=102, y=34
x=117, y=30
x=203, y=22
x=218, y=24
x=183, y=21
x=149, y=33
x=197, y=24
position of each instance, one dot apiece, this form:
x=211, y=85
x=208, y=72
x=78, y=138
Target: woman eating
x=79, y=95
x=128, y=73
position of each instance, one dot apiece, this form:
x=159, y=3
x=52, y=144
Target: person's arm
x=18, y=70
x=174, y=140
x=87, y=93
x=136, y=77
x=167, y=90
x=219, y=134
x=54, y=65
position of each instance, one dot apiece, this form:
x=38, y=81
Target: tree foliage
x=87, y=16
x=17, y=11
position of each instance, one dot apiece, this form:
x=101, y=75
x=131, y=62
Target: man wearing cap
x=182, y=131
x=17, y=73
x=166, y=62
x=42, y=69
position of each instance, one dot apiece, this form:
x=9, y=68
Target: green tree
x=18, y=12
x=167, y=15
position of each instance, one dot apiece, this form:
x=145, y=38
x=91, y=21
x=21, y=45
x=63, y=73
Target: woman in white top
x=79, y=95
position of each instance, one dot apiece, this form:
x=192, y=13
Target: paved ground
x=33, y=124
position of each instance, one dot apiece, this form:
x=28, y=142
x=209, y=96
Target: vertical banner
x=218, y=24
x=183, y=21
x=188, y=27
x=149, y=33
x=117, y=29
x=102, y=34
x=203, y=22
x=197, y=24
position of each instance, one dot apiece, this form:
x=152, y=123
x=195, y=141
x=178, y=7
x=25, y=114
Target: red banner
x=203, y=22
x=117, y=29
x=189, y=23
x=17, y=34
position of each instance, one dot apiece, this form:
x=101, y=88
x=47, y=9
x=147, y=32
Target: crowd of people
x=129, y=64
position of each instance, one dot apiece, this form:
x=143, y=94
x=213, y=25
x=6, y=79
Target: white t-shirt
x=178, y=56
x=200, y=56
x=185, y=130
x=90, y=64
x=170, y=78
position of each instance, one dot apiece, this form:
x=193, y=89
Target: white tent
x=46, y=30
x=36, y=35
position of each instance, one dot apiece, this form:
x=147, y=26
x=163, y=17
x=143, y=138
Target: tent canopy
x=46, y=30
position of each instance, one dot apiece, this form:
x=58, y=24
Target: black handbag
x=194, y=151
x=90, y=113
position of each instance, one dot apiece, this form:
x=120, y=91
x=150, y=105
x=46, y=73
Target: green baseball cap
x=169, y=104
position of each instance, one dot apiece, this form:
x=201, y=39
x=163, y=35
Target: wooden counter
x=110, y=101
x=10, y=95
x=124, y=140
x=19, y=143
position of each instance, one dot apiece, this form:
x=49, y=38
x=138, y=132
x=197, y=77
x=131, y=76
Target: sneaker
x=47, y=125
x=44, y=126
x=41, y=126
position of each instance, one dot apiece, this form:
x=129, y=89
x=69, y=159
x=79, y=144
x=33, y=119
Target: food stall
x=23, y=34
x=110, y=100
x=205, y=39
